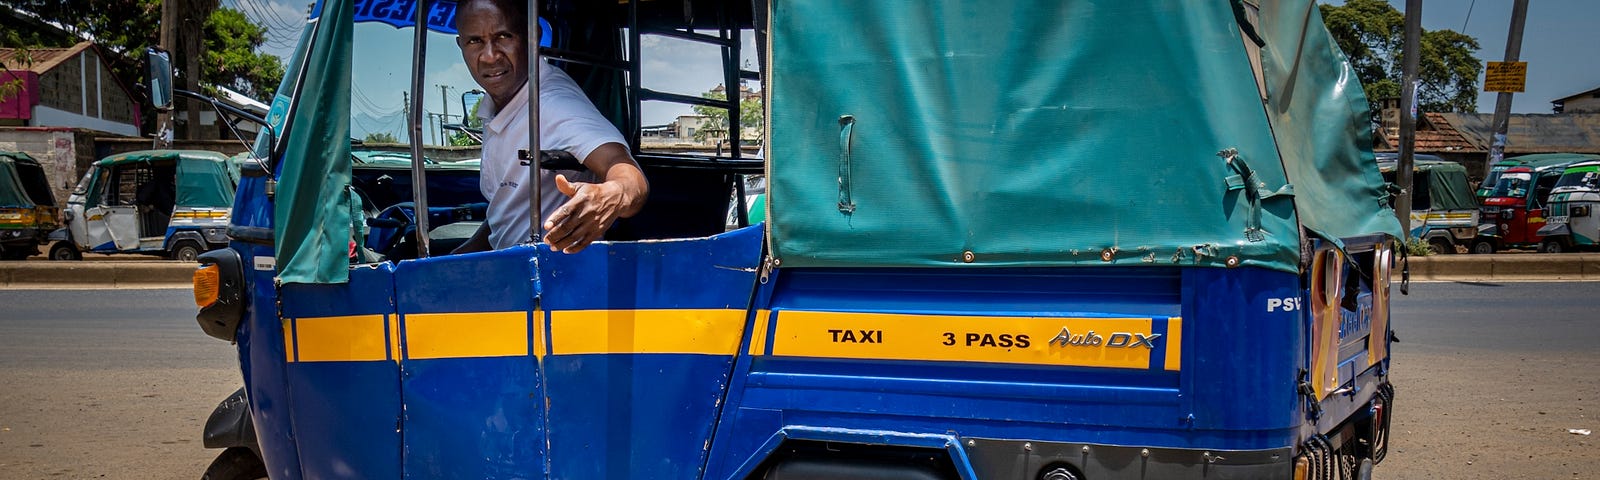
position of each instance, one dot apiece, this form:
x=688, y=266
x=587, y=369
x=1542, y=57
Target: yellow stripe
x=758, y=336
x=706, y=332
x=341, y=339
x=1174, y=343
x=1102, y=342
x=394, y=338
x=288, y=339
x=466, y=335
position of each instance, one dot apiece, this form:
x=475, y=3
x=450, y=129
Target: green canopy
x=13, y=194
x=203, y=179
x=312, y=209
x=1447, y=182
x=1039, y=132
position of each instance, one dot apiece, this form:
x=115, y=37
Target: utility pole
x=406, y=104
x=1502, y=103
x=1411, y=53
x=444, y=99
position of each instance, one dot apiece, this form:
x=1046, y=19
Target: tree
x=380, y=137
x=750, y=115
x=1371, y=33
x=233, y=56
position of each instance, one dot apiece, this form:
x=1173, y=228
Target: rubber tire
x=237, y=463
x=186, y=251
x=1441, y=246
x=1552, y=246
x=65, y=251
x=1482, y=247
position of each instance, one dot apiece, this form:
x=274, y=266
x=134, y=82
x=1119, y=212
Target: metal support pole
x=536, y=229
x=419, y=179
x=1408, y=112
x=1502, y=103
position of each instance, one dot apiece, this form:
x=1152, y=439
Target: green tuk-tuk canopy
x=204, y=177
x=1538, y=161
x=13, y=190
x=1448, y=188
x=1040, y=132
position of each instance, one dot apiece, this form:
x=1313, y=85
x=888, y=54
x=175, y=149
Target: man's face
x=494, y=50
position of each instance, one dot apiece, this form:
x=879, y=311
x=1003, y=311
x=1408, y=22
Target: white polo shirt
x=567, y=121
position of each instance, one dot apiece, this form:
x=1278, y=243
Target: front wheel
x=237, y=463
x=1482, y=247
x=1440, y=246
x=185, y=251
x=65, y=251
x=1552, y=246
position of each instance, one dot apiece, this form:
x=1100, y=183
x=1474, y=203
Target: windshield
x=1513, y=185
x=1586, y=178
x=1494, y=175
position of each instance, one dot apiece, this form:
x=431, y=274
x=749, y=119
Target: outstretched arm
x=595, y=206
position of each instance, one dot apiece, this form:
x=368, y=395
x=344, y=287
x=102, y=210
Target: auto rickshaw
x=1003, y=239
x=172, y=203
x=1573, y=222
x=28, y=211
x=1514, y=213
x=1486, y=187
x=1443, y=212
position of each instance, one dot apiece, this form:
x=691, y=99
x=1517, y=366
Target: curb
x=45, y=274
x=100, y=275
x=1507, y=267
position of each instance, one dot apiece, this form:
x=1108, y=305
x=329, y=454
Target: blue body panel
x=471, y=418
x=262, y=349
x=641, y=415
x=1230, y=394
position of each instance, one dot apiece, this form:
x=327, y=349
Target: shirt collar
x=497, y=117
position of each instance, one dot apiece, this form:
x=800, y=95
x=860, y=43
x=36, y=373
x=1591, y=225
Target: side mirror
x=158, y=72
x=469, y=101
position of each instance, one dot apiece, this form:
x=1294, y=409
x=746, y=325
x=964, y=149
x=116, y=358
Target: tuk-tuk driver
x=576, y=211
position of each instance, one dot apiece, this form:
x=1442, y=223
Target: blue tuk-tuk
x=1019, y=239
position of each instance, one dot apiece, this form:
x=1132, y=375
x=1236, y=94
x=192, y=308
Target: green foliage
x=1417, y=247
x=232, y=56
x=380, y=137
x=1371, y=33
x=751, y=115
x=459, y=139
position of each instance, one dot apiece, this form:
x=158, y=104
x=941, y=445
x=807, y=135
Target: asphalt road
x=107, y=384
x=116, y=384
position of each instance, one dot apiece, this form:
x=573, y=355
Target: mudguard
x=1554, y=230
x=230, y=426
x=60, y=235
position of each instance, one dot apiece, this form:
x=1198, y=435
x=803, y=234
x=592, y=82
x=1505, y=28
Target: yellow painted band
x=1174, y=343
x=687, y=331
x=288, y=339
x=466, y=335
x=758, y=335
x=1089, y=342
x=341, y=339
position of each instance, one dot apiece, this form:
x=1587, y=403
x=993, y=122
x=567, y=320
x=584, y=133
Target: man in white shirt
x=491, y=34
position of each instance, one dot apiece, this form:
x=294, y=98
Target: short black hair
x=517, y=9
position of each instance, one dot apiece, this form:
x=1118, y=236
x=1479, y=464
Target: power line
x=1469, y=15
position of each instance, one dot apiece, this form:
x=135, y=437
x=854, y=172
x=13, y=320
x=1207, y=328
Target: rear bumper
x=1023, y=459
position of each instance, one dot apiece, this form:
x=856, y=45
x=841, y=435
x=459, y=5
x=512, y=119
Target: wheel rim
x=187, y=254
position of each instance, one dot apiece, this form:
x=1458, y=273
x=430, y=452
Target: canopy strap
x=847, y=205
x=1254, y=191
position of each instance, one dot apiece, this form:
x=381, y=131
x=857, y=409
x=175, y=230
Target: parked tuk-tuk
x=1486, y=187
x=1003, y=239
x=1514, y=213
x=1443, y=211
x=173, y=203
x=1574, y=222
x=28, y=210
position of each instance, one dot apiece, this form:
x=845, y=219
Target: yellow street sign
x=1505, y=77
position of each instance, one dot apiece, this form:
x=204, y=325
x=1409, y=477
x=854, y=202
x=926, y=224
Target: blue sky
x=1560, y=42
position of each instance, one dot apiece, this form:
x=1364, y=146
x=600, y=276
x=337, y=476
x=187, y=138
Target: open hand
x=585, y=217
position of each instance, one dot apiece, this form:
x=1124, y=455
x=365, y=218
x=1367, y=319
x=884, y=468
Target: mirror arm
x=219, y=107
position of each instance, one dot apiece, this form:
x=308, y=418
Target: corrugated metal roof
x=40, y=59
x=1533, y=133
